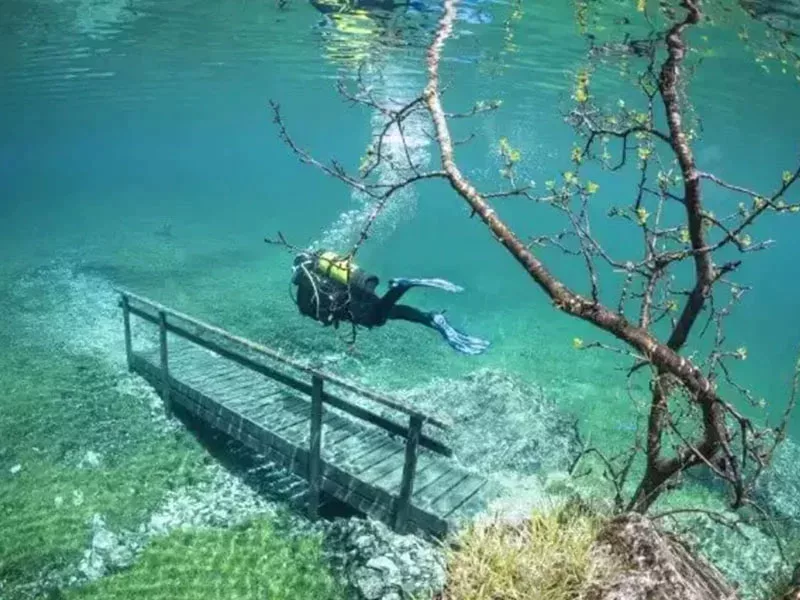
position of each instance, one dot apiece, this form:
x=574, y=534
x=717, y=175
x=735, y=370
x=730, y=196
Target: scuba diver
x=331, y=289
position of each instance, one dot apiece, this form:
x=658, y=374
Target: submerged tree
x=693, y=413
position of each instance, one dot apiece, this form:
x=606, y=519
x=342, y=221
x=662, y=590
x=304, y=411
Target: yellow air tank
x=345, y=271
x=333, y=266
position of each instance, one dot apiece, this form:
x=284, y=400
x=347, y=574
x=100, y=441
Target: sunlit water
x=137, y=143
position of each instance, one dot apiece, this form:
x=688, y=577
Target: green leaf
x=582, y=86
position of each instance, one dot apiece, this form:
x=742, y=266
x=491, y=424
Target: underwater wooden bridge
x=389, y=470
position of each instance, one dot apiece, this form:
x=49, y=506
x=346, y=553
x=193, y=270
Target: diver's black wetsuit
x=337, y=302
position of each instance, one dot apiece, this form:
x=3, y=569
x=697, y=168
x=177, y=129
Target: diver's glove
x=441, y=284
x=465, y=344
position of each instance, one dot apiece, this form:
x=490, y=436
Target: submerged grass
x=546, y=557
x=250, y=561
x=58, y=412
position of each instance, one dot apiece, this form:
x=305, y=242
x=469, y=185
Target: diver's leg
x=465, y=344
x=409, y=313
x=400, y=285
x=386, y=303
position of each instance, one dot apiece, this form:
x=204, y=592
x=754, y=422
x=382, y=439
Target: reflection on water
x=358, y=32
x=364, y=40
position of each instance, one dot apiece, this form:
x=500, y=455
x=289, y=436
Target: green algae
x=56, y=413
x=252, y=560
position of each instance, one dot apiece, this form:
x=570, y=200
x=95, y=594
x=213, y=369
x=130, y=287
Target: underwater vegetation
x=76, y=443
x=247, y=561
x=546, y=556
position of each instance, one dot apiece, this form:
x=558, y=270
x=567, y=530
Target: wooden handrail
x=258, y=348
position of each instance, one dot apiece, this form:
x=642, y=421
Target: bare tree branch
x=690, y=422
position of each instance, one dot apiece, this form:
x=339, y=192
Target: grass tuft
x=547, y=557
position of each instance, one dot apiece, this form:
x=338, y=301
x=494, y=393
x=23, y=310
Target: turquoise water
x=138, y=150
x=120, y=119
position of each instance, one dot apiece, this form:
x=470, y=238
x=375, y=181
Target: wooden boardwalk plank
x=425, y=495
x=254, y=402
x=470, y=507
x=337, y=430
x=255, y=405
x=244, y=406
x=390, y=471
x=296, y=410
x=356, y=460
x=224, y=387
x=200, y=378
x=424, y=473
x=216, y=383
x=264, y=413
x=340, y=429
x=240, y=387
x=281, y=416
x=346, y=448
x=245, y=380
x=251, y=388
x=192, y=372
x=451, y=500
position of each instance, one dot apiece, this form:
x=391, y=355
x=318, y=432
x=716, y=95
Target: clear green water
x=119, y=119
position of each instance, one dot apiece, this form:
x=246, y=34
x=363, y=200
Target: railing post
x=315, y=446
x=165, y=391
x=409, y=469
x=126, y=320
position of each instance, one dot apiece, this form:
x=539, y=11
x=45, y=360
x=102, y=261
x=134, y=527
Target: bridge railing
x=200, y=333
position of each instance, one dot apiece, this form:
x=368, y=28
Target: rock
x=383, y=563
x=779, y=487
x=223, y=501
x=652, y=565
x=793, y=593
x=106, y=553
x=15, y=469
x=90, y=460
x=378, y=564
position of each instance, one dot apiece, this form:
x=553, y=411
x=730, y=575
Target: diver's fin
x=441, y=284
x=465, y=344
